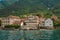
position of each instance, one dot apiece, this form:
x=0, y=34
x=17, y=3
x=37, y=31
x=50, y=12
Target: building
x=5, y=21
x=46, y=23
x=41, y=22
x=31, y=22
x=10, y=20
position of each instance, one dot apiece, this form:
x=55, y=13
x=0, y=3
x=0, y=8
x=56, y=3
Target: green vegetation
x=26, y=7
x=12, y=26
x=56, y=10
x=0, y=22
x=56, y=24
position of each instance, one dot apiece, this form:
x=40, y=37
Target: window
x=43, y=22
x=50, y=24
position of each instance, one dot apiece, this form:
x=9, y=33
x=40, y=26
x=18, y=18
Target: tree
x=47, y=15
x=56, y=24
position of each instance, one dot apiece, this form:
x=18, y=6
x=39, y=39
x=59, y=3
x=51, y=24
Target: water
x=30, y=35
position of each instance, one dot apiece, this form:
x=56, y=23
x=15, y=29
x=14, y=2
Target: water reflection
x=30, y=35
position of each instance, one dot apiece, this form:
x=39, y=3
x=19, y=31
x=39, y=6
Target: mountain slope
x=21, y=7
x=6, y=3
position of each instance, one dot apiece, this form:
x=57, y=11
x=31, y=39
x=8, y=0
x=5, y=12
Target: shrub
x=12, y=26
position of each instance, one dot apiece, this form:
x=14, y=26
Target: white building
x=48, y=23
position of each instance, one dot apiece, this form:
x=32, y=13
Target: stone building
x=31, y=22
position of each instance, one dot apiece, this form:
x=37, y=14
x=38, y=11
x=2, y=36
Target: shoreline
x=31, y=29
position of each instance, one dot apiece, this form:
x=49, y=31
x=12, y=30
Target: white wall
x=49, y=23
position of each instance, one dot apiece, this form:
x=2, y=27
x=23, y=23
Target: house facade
x=49, y=23
x=46, y=23
x=5, y=21
x=31, y=22
x=10, y=20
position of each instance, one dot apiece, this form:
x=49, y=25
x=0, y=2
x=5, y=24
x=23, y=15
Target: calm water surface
x=30, y=35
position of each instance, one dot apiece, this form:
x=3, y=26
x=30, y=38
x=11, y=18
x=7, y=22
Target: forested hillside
x=21, y=7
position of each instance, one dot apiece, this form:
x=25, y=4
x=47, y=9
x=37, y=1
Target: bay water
x=29, y=34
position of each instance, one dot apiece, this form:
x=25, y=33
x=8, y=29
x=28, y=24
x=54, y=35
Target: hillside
x=22, y=7
x=6, y=3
